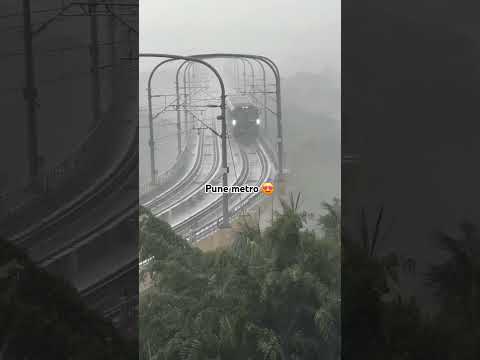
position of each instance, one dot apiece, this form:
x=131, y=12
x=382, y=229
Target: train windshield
x=246, y=113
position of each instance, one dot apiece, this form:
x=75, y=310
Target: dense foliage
x=43, y=317
x=272, y=295
x=379, y=322
x=275, y=295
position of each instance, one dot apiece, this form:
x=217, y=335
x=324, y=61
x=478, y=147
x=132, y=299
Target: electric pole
x=30, y=94
x=226, y=222
x=94, y=63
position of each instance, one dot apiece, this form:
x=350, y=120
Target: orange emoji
x=267, y=188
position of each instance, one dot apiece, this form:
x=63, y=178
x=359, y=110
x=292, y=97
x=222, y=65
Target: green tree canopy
x=271, y=295
x=43, y=317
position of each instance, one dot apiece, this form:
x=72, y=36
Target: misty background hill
x=311, y=106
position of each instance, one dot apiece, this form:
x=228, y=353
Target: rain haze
x=238, y=143
x=301, y=37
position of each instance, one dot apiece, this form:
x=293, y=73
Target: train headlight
x=234, y=122
x=258, y=121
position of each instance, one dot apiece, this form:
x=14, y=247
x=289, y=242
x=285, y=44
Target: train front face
x=245, y=123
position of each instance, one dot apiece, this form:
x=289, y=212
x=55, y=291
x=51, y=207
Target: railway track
x=193, y=220
x=62, y=232
x=99, y=296
x=103, y=295
x=193, y=183
x=115, y=179
x=208, y=219
x=165, y=195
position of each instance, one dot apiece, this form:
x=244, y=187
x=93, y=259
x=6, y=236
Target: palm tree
x=47, y=314
x=367, y=279
x=331, y=221
x=273, y=295
x=456, y=281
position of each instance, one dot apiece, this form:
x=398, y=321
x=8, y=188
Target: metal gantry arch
x=177, y=88
x=252, y=72
x=264, y=83
x=199, y=58
x=260, y=60
x=223, y=135
x=276, y=73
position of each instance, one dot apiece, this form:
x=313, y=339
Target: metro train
x=243, y=118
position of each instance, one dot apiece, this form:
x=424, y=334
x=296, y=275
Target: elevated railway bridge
x=90, y=238
x=183, y=202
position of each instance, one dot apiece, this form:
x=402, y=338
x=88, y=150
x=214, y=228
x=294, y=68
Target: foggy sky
x=299, y=35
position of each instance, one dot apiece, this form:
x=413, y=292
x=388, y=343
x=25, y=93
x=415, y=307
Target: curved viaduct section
x=89, y=238
x=196, y=215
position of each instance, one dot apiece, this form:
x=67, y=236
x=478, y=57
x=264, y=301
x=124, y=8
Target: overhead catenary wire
x=55, y=51
x=166, y=137
x=20, y=13
x=147, y=127
x=166, y=106
x=65, y=76
x=29, y=90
